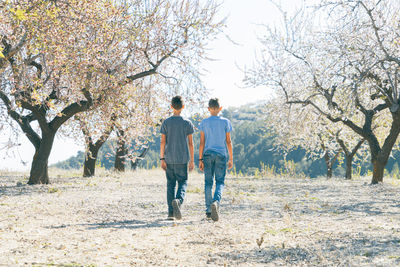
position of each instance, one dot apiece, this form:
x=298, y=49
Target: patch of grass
x=148, y=206
x=287, y=230
x=394, y=257
x=368, y=254
x=274, y=232
x=89, y=183
x=271, y=231
x=195, y=190
x=53, y=190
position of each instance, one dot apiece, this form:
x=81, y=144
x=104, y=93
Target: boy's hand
x=201, y=165
x=164, y=165
x=230, y=164
x=191, y=166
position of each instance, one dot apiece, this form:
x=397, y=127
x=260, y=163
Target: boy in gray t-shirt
x=176, y=151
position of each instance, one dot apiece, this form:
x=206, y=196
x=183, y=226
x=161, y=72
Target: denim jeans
x=214, y=166
x=176, y=173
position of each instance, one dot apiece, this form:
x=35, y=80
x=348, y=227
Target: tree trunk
x=349, y=166
x=120, y=156
x=39, y=171
x=378, y=172
x=329, y=172
x=135, y=163
x=90, y=160
x=349, y=155
x=329, y=164
x=119, y=164
x=92, y=148
x=380, y=156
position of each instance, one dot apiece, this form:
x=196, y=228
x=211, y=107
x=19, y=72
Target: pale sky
x=223, y=77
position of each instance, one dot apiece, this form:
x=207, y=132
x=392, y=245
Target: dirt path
x=112, y=220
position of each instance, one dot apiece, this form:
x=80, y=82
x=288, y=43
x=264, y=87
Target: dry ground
x=119, y=220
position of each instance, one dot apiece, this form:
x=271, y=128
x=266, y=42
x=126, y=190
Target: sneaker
x=170, y=218
x=208, y=215
x=176, y=205
x=215, y=211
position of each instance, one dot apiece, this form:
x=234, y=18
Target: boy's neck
x=177, y=112
x=214, y=111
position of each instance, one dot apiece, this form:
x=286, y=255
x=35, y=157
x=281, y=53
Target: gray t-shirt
x=176, y=130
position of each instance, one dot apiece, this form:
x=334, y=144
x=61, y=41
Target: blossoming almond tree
x=131, y=122
x=49, y=79
x=136, y=124
x=61, y=58
x=301, y=126
x=342, y=59
x=185, y=25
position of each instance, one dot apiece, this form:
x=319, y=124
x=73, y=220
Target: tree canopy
x=61, y=58
x=340, y=58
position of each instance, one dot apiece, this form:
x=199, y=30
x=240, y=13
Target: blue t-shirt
x=176, y=130
x=215, y=129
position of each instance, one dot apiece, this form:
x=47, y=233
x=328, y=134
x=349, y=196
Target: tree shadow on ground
x=363, y=208
x=127, y=224
x=368, y=208
x=342, y=251
x=320, y=199
x=21, y=190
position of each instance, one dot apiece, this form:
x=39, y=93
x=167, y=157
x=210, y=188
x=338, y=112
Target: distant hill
x=253, y=148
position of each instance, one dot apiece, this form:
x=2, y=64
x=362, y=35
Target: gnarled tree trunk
x=349, y=155
x=328, y=160
x=378, y=171
x=329, y=163
x=89, y=164
x=380, y=155
x=39, y=170
x=92, y=149
x=122, y=151
x=349, y=167
x=135, y=163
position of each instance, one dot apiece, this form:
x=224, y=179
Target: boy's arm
x=191, y=151
x=201, y=149
x=162, y=152
x=229, y=146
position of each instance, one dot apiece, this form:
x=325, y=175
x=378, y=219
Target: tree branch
x=345, y=121
x=355, y=149
x=23, y=122
x=9, y=53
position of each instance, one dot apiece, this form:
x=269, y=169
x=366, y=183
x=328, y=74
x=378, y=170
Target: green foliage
x=395, y=173
x=74, y=162
x=253, y=149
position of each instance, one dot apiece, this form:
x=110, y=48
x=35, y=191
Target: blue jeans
x=214, y=166
x=176, y=173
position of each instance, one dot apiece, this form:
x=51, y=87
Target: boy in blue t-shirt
x=176, y=151
x=215, y=139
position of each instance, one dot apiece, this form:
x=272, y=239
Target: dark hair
x=213, y=103
x=177, y=102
